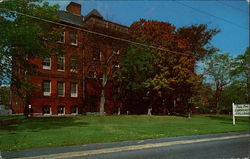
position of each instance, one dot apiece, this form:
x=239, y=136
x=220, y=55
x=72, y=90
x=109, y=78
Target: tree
x=5, y=95
x=219, y=67
x=24, y=38
x=136, y=69
x=241, y=73
x=174, y=73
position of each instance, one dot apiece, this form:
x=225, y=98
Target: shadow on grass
x=228, y=118
x=16, y=122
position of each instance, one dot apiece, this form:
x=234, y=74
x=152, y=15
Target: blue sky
x=231, y=17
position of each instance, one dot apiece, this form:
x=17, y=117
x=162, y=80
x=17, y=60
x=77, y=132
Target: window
x=73, y=90
x=73, y=64
x=60, y=89
x=60, y=110
x=60, y=63
x=46, y=88
x=115, y=67
x=62, y=37
x=96, y=54
x=47, y=110
x=74, y=109
x=46, y=63
x=73, y=38
x=92, y=74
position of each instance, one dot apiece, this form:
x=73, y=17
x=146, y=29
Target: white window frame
x=63, y=63
x=47, y=93
x=63, y=89
x=50, y=113
x=45, y=66
x=63, y=110
x=76, y=93
x=75, y=44
x=76, y=110
x=63, y=38
x=73, y=70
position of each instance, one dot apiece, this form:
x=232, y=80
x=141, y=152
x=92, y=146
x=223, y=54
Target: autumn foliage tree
x=174, y=78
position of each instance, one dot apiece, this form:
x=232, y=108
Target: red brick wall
x=84, y=52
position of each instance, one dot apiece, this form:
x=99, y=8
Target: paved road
x=233, y=148
x=225, y=145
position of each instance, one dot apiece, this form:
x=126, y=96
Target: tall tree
x=136, y=69
x=241, y=72
x=175, y=72
x=219, y=67
x=23, y=38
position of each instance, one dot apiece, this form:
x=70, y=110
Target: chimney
x=74, y=8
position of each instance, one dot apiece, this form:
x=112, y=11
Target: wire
x=101, y=34
x=200, y=11
x=225, y=4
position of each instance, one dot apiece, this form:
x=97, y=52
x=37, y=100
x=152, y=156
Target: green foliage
x=136, y=67
x=230, y=80
x=24, y=38
x=4, y=95
x=173, y=75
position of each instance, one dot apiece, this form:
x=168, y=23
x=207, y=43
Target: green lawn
x=18, y=133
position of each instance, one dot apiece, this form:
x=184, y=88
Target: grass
x=18, y=133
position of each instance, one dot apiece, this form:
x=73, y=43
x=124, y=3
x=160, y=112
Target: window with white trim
x=73, y=64
x=60, y=89
x=46, y=62
x=73, y=38
x=73, y=90
x=74, y=109
x=60, y=110
x=47, y=88
x=62, y=37
x=60, y=63
x=47, y=110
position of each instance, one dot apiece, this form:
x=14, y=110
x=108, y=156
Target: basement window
x=47, y=110
x=60, y=110
x=74, y=109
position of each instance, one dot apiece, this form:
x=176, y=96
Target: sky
x=231, y=16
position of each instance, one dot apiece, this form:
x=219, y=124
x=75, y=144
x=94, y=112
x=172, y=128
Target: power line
x=97, y=33
x=225, y=4
x=203, y=12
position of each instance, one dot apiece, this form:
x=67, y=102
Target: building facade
x=72, y=82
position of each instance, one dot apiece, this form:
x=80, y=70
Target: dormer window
x=73, y=38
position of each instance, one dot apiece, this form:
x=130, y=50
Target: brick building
x=71, y=83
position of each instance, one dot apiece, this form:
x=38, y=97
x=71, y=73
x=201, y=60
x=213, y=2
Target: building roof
x=95, y=13
x=70, y=18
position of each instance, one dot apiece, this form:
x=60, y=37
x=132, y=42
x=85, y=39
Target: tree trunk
x=102, y=102
x=149, y=111
x=119, y=111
